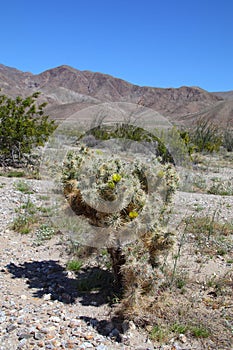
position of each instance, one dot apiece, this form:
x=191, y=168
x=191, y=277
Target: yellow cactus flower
x=160, y=173
x=116, y=177
x=133, y=214
x=111, y=184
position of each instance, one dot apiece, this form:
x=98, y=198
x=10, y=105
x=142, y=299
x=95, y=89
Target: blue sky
x=166, y=43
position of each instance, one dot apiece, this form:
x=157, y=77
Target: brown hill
x=226, y=95
x=68, y=90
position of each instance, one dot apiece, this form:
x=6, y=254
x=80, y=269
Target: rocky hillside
x=68, y=90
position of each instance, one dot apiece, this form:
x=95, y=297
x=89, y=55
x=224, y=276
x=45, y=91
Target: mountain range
x=67, y=90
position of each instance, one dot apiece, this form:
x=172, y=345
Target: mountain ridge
x=69, y=87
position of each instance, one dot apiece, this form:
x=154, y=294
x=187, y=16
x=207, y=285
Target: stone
x=38, y=336
x=55, y=319
x=47, y=297
x=86, y=345
x=11, y=327
x=182, y=338
x=89, y=336
x=2, y=316
x=50, y=336
x=24, y=336
x=101, y=347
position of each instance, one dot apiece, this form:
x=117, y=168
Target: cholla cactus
x=124, y=195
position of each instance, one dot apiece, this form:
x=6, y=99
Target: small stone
x=38, y=336
x=74, y=323
x=55, y=342
x=63, y=330
x=23, y=297
x=76, y=332
x=44, y=330
x=176, y=346
x=22, y=342
x=51, y=329
x=55, y=319
x=21, y=320
x=70, y=344
x=24, y=336
x=86, y=345
x=40, y=344
x=39, y=326
x=47, y=297
x=101, y=347
x=50, y=336
x=11, y=327
x=182, y=338
x=2, y=316
x=89, y=337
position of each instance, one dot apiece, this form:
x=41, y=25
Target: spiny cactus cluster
x=124, y=193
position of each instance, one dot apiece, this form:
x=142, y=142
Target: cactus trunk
x=118, y=260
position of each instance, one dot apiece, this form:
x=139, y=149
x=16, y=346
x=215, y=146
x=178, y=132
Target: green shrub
x=74, y=265
x=131, y=132
x=200, y=331
x=23, y=126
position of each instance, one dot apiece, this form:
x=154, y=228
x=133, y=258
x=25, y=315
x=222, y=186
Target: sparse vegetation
x=44, y=232
x=220, y=187
x=129, y=132
x=26, y=217
x=228, y=139
x=212, y=236
x=74, y=265
x=200, y=331
x=13, y=173
x=205, y=136
x=23, y=187
x=32, y=218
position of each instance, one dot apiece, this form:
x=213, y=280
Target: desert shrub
x=220, y=187
x=130, y=132
x=228, y=139
x=23, y=125
x=205, y=136
x=178, y=142
x=136, y=233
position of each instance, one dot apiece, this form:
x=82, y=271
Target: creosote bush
x=228, y=139
x=127, y=199
x=206, y=136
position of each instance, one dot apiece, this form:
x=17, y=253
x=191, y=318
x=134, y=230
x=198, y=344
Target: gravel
x=40, y=305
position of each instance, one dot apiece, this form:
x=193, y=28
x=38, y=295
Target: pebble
x=55, y=319
x=86, y=345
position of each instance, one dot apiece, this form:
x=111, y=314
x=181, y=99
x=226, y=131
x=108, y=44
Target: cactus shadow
x=49, y=280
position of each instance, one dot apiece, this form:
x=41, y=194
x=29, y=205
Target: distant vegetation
x=207, y=136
